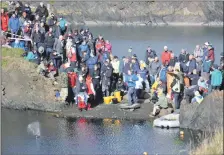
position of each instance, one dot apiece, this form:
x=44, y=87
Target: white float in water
x=34, y=129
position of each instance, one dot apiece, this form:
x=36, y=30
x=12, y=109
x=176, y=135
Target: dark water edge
x=90, y=136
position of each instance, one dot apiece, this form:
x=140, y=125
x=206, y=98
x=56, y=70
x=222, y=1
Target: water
x=87, y=136
x=175, y=38
x=34, y=129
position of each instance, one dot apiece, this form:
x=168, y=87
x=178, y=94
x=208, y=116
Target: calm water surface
x=87, y=136
x=175, y=38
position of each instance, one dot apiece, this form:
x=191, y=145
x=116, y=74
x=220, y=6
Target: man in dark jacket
x=42, y=11
x=27, y=9
x=59, y=45
x=106, y=74
x=154, y=69
x=49, y=43
x=52, y=20
x=36, y=37
x=149, y=55
x=191, y=64
x=173, y=60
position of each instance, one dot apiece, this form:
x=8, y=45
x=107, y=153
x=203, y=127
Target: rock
x=165, y=112
x=205, y=116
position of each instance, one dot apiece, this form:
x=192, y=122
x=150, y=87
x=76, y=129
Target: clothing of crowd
x=77, y=61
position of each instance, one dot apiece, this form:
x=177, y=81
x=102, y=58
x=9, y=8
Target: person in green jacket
x=162, y=102
x=216, y=78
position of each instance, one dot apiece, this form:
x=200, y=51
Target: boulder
x=206, y=116
x=165, y=112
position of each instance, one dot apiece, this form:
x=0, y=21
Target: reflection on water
x=89, y=136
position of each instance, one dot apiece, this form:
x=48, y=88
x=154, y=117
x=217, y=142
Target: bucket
x=117, y=94
x=119, y=99
x=107, y=100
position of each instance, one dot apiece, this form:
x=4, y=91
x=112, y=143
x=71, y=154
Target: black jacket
x=42, y=11
x=49, y=41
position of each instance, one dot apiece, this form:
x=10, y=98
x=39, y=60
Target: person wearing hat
x=197, y=98
x=203, y=86
x=216, y=77
x=165, y=57
x=211, y=54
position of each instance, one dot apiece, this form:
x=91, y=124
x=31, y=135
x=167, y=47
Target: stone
x=205, y=116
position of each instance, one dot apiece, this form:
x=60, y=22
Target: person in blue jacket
x=216, y=78
x=91, y=62
x=131, y=82
x=14, y=25
x=83, y=47
x=134, y=65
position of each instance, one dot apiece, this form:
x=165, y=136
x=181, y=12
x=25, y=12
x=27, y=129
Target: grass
x=8, y=54
x=12, y=52
x=4, y=5
x=212, y=145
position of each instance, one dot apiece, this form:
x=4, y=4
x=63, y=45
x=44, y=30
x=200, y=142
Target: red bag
x=72, y=79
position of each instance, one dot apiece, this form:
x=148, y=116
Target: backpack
x=162, y=75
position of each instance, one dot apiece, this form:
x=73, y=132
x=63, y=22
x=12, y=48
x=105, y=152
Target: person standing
x=106, y=74
x=216, y=78
x=4, y=20
x=116, y=69
x=165, y=55
x=14, y=25
x=131, y=79
x=149, y=55
x=154, y=69
x=42, y=11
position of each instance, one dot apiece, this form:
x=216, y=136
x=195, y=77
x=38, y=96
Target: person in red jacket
x=211, y=54
x=90, y=90
x=72, y=56
x=4, y=20
x=72, y=77
x=165, y=56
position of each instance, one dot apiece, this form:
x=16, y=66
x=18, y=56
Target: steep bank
x=141, y=13
x=23, y=87
x=207, y=116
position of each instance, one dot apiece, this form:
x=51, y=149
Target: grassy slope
x=10, y=54
x=212, y=146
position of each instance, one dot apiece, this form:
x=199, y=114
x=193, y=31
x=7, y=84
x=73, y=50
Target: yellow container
x=111, y=97
x=119, y=99
x=117, y=94
x=107, y=100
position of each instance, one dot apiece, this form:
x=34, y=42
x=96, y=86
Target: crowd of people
x=86, y=65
